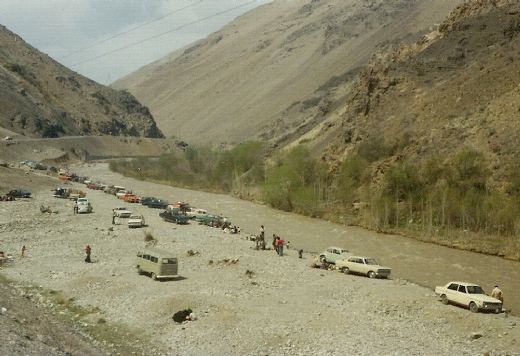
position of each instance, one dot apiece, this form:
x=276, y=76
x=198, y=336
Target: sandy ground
x=281, y=306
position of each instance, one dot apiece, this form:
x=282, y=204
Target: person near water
x=497, y=294
x=280, y=242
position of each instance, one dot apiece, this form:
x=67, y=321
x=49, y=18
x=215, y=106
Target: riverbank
x=262, y=303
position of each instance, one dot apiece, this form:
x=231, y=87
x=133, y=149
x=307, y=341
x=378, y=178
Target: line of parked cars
x=465, y=294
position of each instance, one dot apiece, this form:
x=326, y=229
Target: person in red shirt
x=279, y=243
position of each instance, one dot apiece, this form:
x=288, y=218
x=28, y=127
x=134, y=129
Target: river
x=423, y=263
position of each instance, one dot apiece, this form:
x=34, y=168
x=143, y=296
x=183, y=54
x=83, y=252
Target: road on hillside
x=422, y=263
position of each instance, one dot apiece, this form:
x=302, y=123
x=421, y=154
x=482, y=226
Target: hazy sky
x=81, y=33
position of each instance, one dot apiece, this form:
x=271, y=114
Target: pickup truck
x=468, y=295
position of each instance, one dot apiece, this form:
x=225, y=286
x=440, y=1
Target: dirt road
x=426, y=264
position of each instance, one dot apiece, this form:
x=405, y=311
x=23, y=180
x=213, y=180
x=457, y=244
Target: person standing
x=280, y=244
x=113, y=217
x=23, y=251
x=75, y=208
x=88, y=250
x=497, y=294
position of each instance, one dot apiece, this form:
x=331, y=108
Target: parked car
x=363, y=265
x=131, y=198
x=147, y=200
x=19, y=193
x=174, y=216
x=122, y=212
x=194, y=212
x=157, y=203
x=136, y=221
x=468, y=295
x=121, y=193
x=182, y=206
x=333, y=254
x=84, y=206
x=212, y=220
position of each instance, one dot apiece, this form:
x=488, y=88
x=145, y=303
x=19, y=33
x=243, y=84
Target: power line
x=130, y=30
x=163, y=33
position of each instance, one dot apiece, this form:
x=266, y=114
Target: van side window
x=169, y=261
x=146, y=257
x=139, y=254
x=154, y=259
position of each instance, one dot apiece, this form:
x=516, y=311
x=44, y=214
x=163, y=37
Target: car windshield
x=475, y=290
x=135, y=217
x=343, y=250
x=371, y=261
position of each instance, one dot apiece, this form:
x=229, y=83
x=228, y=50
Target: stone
x=475, y=335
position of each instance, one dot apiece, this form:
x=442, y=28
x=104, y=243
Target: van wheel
x=139, y=271
x=473, y=307
x=154, y=276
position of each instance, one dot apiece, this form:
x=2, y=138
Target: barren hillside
x=456, y=87
x=260, y=74
x=41, y=98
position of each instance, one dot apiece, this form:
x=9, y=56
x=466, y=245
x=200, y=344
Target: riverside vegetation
x=451, y=201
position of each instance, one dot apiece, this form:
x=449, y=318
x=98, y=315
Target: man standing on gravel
x=497, y=294
x=113, y=217
x=75, y=208
x=280, y=242
x=88, y=250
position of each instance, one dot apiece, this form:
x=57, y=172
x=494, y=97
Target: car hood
x=484, y=298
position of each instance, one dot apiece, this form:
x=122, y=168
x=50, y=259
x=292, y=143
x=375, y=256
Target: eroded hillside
x=41, y=98
x=267, y=73
x=457, y=87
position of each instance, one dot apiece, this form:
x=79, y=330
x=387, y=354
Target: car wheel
x=323, y=259
x=154, y=276
x=444, y=299
x=473, y=307
x=371, y=274
x=345, y=270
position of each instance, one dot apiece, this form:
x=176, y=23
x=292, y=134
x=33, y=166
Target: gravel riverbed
x=260, y=304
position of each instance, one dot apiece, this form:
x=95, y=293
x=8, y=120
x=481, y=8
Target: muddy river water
x=422, y=263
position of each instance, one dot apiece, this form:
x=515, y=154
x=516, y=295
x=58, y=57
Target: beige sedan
x=363, y=265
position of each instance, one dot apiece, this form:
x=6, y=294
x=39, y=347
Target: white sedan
x=468, y=295
x=363, y=265
x=122, y=212
x=136, y=221
x=333, y=254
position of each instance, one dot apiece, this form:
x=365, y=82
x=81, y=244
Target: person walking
x=88, y=251
x=113, y=217
x=497, y=294
x=75, y=208
x=23, y=251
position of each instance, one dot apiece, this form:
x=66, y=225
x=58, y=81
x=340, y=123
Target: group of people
x=278, y=243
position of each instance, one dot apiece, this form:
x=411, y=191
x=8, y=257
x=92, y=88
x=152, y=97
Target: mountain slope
x=41, y=98
x=456, y=88
x=240, y=83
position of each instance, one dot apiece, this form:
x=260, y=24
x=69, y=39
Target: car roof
x=465, y=283
x=337, y=248
x=363, y=257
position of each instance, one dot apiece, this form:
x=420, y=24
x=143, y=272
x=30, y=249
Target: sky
x=108, y=39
